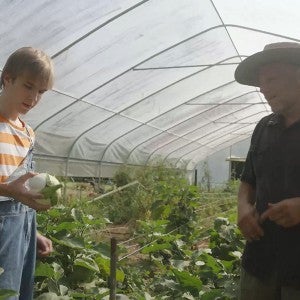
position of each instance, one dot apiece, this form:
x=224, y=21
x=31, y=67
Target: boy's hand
x=285, y=213
x=44, y=245
x=17, y=189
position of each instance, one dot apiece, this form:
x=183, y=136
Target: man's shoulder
x=269, y=120
x=269, y=117
x=266, y=121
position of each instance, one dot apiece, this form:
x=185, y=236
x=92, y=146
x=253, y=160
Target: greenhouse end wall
x=216, y=168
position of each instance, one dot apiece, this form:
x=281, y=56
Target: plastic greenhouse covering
x=143, y=81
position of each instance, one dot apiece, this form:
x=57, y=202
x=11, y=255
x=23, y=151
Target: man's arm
x=248, y=218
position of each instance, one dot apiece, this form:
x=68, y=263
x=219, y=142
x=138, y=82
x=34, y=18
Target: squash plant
x=166, y=216
x=171, y=269
x=79, y=267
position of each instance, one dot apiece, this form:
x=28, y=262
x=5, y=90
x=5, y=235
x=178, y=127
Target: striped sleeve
x=15, y=143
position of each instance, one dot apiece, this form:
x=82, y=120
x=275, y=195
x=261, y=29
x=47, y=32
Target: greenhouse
x=144, y=94
x=141, y=81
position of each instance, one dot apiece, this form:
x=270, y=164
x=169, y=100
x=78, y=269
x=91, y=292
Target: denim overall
x=18, y=241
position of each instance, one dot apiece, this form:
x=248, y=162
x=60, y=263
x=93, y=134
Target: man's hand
x=16, y=189
x=285, y=213
x=44, y=245
x=248, y=222
x=248, y=218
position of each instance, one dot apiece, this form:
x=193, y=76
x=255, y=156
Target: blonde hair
x=31, y=61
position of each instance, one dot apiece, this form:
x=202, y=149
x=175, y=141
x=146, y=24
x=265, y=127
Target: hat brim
x=247, y=71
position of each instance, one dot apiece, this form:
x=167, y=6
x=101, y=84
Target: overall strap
x=28, y=160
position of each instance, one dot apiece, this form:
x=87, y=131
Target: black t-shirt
x=273, y=168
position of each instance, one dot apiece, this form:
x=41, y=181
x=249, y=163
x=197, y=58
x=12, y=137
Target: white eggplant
x=47, y=185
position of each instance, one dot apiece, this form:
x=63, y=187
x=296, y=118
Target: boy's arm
x=248, y=218
x=17, y=190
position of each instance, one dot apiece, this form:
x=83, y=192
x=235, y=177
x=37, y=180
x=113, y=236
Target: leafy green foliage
x=78, y=265
x=225, y=239
x=168, y=218
x=175, y=271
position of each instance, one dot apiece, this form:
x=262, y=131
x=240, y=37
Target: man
x=269, y=194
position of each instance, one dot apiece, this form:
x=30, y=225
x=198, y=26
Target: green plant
x=175, y=271
x=139, y=201
x=169, y=218
x=79, y=267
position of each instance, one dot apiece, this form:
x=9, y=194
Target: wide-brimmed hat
x=284, y=52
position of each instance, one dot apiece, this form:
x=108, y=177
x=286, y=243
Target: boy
x=27, y=74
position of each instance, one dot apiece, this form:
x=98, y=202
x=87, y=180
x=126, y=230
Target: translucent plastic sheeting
x=139, y=82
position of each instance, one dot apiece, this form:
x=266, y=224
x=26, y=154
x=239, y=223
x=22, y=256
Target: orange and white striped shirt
x=15, y=142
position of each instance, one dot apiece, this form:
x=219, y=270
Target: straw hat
x=285, y=52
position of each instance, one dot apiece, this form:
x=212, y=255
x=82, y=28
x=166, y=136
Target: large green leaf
x=87, y=262
x=211, y=262
x=44, y=269
x=188, y=281
x=81, y=274
x=104, y=264
x=103, y=249
x=68, y=226
x=69, y=241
